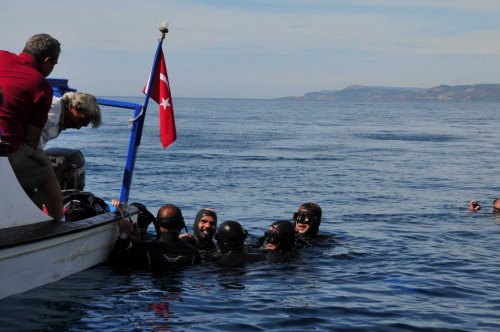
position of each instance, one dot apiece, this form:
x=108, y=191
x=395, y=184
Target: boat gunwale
x=44, y=230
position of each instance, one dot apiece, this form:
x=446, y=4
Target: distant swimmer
x=496, y=206
x=474, y=206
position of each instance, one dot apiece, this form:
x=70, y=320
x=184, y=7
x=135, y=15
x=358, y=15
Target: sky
x=263, y=48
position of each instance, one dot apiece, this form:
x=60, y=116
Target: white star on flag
x=165, y=103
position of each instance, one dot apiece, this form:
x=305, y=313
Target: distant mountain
x=477, y=92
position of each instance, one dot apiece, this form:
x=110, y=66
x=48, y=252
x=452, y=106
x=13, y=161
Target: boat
x=36, y=250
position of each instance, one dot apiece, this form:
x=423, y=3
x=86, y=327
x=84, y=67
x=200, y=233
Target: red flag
x=160, y=92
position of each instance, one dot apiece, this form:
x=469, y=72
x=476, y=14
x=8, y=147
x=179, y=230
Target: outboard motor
x=69, y=166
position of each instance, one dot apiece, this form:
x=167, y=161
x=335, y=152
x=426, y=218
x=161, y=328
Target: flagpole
x=138, y=123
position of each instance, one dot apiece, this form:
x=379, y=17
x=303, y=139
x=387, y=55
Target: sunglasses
x=272, y=237
x=303, y=218
x=496, y=210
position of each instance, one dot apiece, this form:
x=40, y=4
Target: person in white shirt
x=72, y=110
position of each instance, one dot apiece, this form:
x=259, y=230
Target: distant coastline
x=445, y=93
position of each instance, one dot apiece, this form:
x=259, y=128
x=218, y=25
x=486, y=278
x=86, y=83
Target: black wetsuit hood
x=284, y=232
x=230, y=237
x=203, y=236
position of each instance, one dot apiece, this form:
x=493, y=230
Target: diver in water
x=279, y=240
x=168, y=250
x=130, y=250
x=164, y=253
x=307, y=220
x=144, y=219
x=474, y=206
x=280, y=237
x=230, y=238
x=204, y=227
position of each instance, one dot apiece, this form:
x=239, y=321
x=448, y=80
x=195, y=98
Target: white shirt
x=53, y=126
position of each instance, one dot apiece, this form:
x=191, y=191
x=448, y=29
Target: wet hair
x=230, y=236
x=196, y=230
x=86, y=104
x=284, y=230
x=42, y=46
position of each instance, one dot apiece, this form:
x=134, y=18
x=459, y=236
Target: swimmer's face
x=272, y=238
x=304, y=221
x=302, y=228
x=207, y=225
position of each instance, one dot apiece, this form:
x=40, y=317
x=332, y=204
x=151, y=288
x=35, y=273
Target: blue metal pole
x=135, y=136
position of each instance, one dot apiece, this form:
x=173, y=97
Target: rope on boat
x=121, y=209
x=133, y=120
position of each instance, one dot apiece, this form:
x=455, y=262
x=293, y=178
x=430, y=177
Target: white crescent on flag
x=164, y=79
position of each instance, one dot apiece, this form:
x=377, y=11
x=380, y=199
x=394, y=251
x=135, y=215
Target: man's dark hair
x=42, y=46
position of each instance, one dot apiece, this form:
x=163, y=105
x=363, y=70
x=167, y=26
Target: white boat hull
x=27, y=266
x=36, y=250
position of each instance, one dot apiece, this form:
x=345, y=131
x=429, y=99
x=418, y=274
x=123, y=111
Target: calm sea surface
x=393, y=179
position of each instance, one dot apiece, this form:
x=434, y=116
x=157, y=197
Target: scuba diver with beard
x=204, y=227
x=230, y=238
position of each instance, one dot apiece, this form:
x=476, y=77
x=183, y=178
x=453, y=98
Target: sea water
x=393, y=179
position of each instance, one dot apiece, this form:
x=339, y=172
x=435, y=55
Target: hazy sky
x=263, y=48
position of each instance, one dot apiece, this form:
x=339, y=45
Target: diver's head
x=205, y=224
x=230, y=236
x=496, y=206
x=280, y=236
x=307, y=219
x=144, y=218
x=169, y=219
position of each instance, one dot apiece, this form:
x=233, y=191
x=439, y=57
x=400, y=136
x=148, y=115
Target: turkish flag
x=160, y=92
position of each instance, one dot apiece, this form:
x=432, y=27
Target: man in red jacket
x=27, y=101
